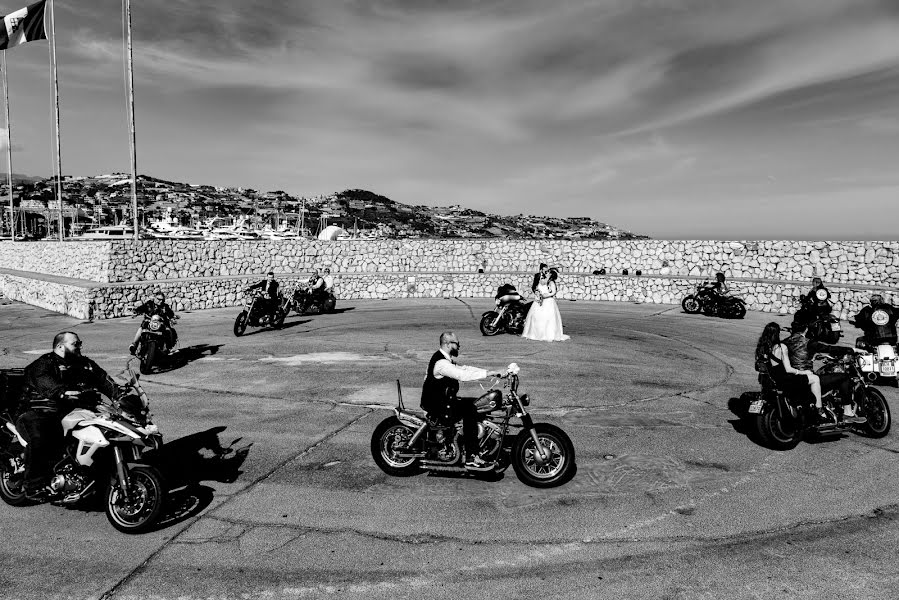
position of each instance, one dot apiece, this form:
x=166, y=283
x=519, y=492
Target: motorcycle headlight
x=525, y=399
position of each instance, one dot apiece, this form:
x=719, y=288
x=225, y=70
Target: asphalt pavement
x=275, y=494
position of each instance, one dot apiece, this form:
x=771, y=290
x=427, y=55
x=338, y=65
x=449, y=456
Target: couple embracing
x=544, y=323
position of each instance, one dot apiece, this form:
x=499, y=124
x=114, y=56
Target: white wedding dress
x=544, y=323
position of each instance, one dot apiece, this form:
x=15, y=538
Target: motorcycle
x=541, y=454
x=823, y=326
x=255, y=313
x=509, y=315
x=156, y=343
x=879, y=361
x=301, y=300
x=782, y=420
x=104, y=447
x=706, y=301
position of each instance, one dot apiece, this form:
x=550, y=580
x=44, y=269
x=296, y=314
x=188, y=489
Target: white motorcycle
x=879, y=362
x=103, y=453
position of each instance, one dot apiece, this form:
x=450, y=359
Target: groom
x=538, y=276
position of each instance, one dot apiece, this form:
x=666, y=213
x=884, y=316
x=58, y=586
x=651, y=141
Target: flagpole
x=56, y=111
x=133, y=138
x=12, y=208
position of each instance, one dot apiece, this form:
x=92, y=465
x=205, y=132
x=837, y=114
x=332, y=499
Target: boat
x=168, y=228
x=108, y=232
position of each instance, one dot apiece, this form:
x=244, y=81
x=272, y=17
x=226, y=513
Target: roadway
x=277, y=495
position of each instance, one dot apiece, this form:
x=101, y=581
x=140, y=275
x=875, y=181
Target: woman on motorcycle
x=776, y=356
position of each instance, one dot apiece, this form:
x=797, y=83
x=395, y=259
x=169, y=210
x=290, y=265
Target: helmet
x=719, y=276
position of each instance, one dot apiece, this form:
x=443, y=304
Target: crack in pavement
x=140, y=568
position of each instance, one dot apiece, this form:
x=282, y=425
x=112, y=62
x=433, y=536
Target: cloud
x=880, y=124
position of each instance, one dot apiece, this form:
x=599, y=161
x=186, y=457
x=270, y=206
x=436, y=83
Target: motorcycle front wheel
x=876, y=410
x=149, y=358
x=777, y=434
x=532, y=469
x=143, y=510
x=12, y=478
x=240, y=323
x=691, y=305
x=387, y=441
x=330, y=303
x=487, y=327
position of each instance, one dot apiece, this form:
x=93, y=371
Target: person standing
x=544, y=322
x=439, y=395
x=539, y=276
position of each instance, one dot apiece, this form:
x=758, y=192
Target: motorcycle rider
x=811, y=307
x=155, y=306
x=878, y=322
x=801, y=351
x=57, y=384
x=270, y=287
x=328, y=280
x=317, y=286
x=439, y=395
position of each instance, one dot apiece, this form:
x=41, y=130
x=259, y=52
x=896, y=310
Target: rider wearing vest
x=878, y=321
x=439, y=395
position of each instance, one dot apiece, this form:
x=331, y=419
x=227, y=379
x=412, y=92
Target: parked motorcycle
x=156, y=343
x=706, y=301
x=541, y=454
x=302, y=301
x=510, y=313
x=255, y=313
x=782, y=421
x=103, y=455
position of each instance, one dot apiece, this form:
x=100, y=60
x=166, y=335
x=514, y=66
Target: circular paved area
x=268, y=440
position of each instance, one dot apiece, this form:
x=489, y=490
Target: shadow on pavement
x=188, y=461
x=744, y=423
x=187, y=355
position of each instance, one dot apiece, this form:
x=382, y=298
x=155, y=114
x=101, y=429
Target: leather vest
x=879, y=324
x=437, y=395
x=797, y=345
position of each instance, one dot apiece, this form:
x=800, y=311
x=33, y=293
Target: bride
x=544, y=323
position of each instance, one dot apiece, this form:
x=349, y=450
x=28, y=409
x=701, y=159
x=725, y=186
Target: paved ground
x=672, y=499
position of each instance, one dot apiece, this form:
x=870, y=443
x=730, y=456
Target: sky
x=677, y=119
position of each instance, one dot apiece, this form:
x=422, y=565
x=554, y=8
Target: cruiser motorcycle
x=255, y=313
x=303, y=301
x=104, y=448
x=541, y=454
x=510, y=313
x=706, y=301
x=156, y=343
x=823, y=326
x=782, y=420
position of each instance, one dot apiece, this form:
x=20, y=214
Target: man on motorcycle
x=270, y=287
x=58, y=382
x=439, y=395
x=878, y=321
x=155, y=307
x=801, y=352
x=317, y=286
x=811, y=306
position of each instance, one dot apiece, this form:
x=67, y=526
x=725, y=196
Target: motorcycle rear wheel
x=736, y=310
x=776, y=434
x=557, y=470
x=279, y=319
x=240, y=323
x=329, y=304
x=876, y=409
x=145, y=509
x=386, y=441
x=149, y=357
x=691, y=305
x=486, y=325
x=12, y=482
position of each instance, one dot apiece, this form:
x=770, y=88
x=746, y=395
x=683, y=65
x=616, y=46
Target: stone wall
x=78, y=260
x=766, y=296
x=769, y=275
x=869, y=263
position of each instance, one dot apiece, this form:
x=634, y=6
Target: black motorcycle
x=156, y=342
x=302, y=300
x=817, y=311
x=782, y=420
x=541, y=454
x=510, y=313
x=705, y=300
x=256, y=312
